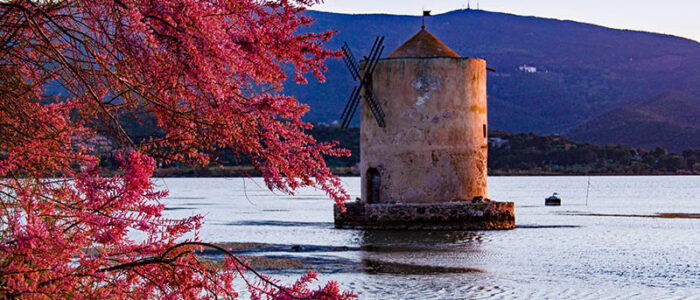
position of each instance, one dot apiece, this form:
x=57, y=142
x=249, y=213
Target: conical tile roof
x=423, y=44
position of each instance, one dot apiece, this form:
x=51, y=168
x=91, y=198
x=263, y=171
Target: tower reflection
x=419, y=252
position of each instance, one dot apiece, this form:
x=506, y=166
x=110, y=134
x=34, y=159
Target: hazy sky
x=677, y=17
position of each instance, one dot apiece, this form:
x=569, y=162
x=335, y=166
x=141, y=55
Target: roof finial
x=426, y=13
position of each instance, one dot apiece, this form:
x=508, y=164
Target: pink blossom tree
x=210, y=74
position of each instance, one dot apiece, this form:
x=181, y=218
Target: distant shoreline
x=249, y=171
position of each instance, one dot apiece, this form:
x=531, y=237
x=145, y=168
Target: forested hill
x=583, y=71
x=671, y=119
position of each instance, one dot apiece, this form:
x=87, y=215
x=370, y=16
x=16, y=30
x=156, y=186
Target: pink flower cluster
x=208, y=77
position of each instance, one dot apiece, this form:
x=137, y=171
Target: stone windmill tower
x=424, y=141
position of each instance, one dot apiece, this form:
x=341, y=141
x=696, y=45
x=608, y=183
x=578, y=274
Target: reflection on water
x=413, y=252
x=281, y=223
x=419, y=238
x=584, y=251
x=371, y=266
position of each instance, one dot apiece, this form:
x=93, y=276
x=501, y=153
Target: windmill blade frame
x=363, y=73
x=350, y=107
x=350, y=62
x=353, y=108
x=374, y=106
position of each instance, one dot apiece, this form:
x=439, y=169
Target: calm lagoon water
x=555, y=252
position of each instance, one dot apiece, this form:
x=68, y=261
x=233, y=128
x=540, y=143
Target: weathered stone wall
x=434, y=146
x=486, y=215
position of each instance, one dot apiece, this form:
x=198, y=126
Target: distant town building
x=527, y=69
x=497, y=142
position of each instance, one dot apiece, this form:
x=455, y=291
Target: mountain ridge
x=671, y=119
x=582, y=70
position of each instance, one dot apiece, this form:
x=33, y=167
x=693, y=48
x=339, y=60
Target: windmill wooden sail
x=363, y=74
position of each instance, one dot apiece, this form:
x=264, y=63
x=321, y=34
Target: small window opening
x=485, y=135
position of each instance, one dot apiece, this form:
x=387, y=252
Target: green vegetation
x=529, y=153
x=532, y=154
x=509, y=154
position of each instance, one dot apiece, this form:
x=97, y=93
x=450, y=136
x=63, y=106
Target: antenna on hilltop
x=477, y=4
x=468, y=5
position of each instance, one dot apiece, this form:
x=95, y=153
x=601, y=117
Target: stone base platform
x=486, y=215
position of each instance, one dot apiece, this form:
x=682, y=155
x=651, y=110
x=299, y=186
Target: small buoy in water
x=553, y=200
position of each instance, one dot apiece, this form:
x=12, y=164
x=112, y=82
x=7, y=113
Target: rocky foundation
x=487, y=215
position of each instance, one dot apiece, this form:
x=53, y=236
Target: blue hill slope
x=583, y=70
